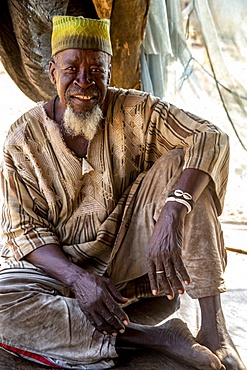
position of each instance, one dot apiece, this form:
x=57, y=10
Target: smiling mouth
x=84, y=97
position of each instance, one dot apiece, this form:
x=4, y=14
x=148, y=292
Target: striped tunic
x=48, y=199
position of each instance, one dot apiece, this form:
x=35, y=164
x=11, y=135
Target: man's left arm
x=206, y=161
x=205, y=146
x=166, y=242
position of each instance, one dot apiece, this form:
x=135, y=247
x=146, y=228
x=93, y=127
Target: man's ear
x=51, y=74
x=109, y=75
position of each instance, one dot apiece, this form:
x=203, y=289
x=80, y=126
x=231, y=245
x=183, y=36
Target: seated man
x=109, y=196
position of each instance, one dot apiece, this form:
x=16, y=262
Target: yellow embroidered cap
x=80, y=33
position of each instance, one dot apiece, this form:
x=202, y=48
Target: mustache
x=90, y=90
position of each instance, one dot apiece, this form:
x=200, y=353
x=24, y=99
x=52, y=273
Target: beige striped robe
x=47, y=199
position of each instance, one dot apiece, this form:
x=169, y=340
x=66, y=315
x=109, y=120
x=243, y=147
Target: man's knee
x=169, y=163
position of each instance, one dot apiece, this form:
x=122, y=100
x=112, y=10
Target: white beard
x=83, y=124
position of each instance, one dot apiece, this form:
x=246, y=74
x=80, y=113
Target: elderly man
x=109, y=196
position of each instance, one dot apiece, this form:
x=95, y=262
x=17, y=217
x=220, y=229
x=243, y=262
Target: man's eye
x=73, y=69
x=97, y=70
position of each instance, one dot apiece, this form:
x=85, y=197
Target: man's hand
x=99, y=301
x=97, y=296
x=165, y=266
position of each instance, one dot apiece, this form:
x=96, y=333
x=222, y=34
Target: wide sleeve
x=24, y=222
x=205, y=146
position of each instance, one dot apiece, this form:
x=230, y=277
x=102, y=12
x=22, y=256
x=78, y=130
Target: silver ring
x=160, y=272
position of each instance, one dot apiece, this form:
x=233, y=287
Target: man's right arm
x=29, y=235
x=97, y=297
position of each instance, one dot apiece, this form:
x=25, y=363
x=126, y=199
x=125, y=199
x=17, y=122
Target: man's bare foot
x=226, y=350
x=179, y=343
x=214, y=335
x=174, y=339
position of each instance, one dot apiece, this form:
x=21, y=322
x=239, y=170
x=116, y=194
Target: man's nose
x=83, y=79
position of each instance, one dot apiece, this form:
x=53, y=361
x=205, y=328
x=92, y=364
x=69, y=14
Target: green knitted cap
x=80, y=33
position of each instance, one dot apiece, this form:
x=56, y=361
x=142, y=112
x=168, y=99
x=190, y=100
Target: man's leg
x=35, y=319
x=205, y=258
x=214, y=335
x=173, y=338
x=204, y=254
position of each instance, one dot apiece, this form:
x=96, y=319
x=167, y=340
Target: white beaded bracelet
x=180, y=200
x=182, y=194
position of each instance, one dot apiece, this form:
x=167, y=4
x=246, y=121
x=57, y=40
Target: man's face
x=82, y=78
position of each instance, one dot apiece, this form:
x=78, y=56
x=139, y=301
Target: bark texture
x=25, y=32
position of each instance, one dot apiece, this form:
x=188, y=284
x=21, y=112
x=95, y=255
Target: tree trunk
x=25, y=33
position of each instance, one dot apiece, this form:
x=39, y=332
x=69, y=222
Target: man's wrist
x=181, y=197
x=72, y=275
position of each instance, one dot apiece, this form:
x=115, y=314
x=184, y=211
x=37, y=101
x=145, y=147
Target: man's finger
x=173, y=277
x=164, y=284
x=116, y=294
x=181, y=270
x=176, y=283
x=152, y=278
x=114, y=308
x=103, y=327
x=105, y=321
x=118, y=312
